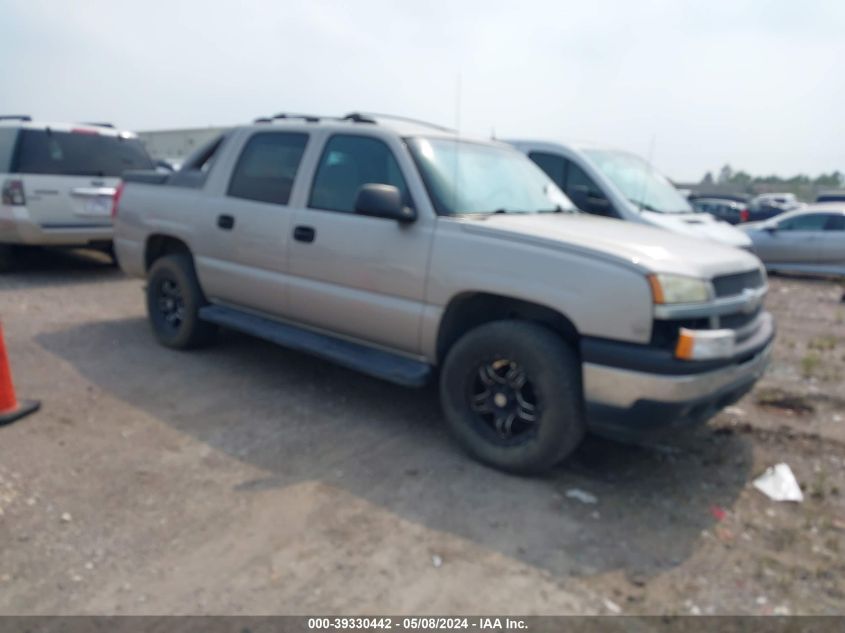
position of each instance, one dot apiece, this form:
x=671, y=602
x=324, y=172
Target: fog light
x=704, y=344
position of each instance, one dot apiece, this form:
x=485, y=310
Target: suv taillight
x=116, y=199
x=13, y=193
x=744, y=215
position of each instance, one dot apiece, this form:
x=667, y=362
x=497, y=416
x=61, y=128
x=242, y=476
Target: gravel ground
x=246, y=478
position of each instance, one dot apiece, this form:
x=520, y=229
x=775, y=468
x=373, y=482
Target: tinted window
x=8, y=136
x=554, y=166
x=267, y=167
x=835, y=223
x=577, y=177
x=813, y=222
x=78, y=154
x=348, y=163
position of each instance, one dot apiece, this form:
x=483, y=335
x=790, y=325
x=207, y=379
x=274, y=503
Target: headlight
x=678, y=289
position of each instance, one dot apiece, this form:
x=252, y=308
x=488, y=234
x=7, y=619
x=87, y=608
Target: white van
x=622, y=185
x=58, y=181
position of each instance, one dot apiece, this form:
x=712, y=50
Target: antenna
x=457, y=140
x=648, y=159
x=458, y=105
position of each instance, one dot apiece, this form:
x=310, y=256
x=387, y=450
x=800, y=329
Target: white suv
x=58, y=181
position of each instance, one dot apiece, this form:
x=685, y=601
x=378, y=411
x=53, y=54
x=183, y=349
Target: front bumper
x=627, y=401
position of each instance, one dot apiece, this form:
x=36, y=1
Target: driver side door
x=355, y=275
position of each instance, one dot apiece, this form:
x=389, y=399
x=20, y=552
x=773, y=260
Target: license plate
x=99, y=206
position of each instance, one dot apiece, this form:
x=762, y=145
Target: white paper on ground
x=778, y=483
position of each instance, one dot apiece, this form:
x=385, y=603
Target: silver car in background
x=810, y=240
x=618, y=184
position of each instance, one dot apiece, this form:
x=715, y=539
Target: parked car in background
x=726, y=210
x=618, y=184
x=58, y=180
x=831, y=196
x=768, y=205
x=403, y=251
x=810, y=240
x=733, y=197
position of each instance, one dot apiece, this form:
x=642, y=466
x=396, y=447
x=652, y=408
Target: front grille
x=729, y=285
x=739, y=320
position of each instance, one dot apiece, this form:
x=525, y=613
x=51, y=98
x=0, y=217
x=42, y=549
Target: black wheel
x=511, y=393
x=174, y=298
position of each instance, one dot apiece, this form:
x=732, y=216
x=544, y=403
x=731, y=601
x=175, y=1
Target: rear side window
x=8, y=136
x=554, y=166
x=267, y=167
x=78, y=154
x=348, y=163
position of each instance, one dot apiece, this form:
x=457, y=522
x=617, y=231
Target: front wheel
x=511, y=393
x=174, y=298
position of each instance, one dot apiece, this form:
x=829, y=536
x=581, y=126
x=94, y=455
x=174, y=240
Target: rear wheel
x=174, y=298
x=511, y=393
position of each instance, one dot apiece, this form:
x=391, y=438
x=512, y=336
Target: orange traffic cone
x=10, y=408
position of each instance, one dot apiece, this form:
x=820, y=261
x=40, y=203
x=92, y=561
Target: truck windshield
x=643, y=185
x=467, y=178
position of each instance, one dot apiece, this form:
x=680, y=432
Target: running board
x=367, y=360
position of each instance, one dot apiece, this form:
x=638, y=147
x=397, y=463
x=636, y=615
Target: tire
x=491, y=419
x=174, y=298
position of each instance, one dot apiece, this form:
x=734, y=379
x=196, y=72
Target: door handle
x=304, y=234
x=225, y=222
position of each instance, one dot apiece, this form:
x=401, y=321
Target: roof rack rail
x=15, y=117
x=358, y=117
x=310, y=118
x=95, y=124
x=371, y=117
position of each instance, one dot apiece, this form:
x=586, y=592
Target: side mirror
x=383, y=201
x=771, y=230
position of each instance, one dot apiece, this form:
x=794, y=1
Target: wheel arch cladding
x=471, y=309
x=158, y=245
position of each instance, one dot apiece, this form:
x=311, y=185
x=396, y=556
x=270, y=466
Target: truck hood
x=699, y=225
x=646, y=247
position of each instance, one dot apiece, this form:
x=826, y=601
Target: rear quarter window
x=78, y=154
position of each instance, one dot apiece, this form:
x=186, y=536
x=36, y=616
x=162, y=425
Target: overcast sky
x=758, y=84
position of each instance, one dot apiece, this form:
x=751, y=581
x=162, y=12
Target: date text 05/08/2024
x=417, y=623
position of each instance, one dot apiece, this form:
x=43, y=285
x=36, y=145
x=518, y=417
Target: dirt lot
x=249, y=479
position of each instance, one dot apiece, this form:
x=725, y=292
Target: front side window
x=812, y=222
x=835, y=223
x=553, y=165
x=638, y=181
x=348, y=163
x=78, y=153
x=267, y=167
x=466, y=178
x=577, y=177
